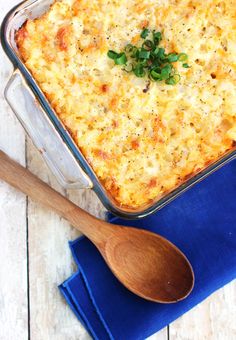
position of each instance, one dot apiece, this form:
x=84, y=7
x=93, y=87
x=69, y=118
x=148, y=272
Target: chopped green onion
x=128, y=68
x=182, y=57
x=143, y=54
x=185, y=65
x=157, y=37
x=155, y=52
x=148, y=45
x=161, y=53
x=150, y=59
x=157, y=69
x=155, y=75
x=139, y=71
x=144, y=33
x=172, y=57
x=112, y=54
x=166, y=71
x=129, y=48
x=121, y=59
x=173, y=80
x=134, y=52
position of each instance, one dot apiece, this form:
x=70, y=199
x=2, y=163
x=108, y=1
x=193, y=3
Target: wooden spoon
x=144, y=262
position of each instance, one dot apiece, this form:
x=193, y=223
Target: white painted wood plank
x=161, y=335
x=13, y=253
x=214, y=319
x=50, y=264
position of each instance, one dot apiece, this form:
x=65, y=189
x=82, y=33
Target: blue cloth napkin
x=202, y=223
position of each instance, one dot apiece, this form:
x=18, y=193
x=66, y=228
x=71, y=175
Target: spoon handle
x=22, y=179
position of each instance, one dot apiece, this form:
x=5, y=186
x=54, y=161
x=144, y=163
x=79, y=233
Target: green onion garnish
x=148, y=45
x=155, y=52
x=128, y=68
x=185, y=65
x=129, y=48
x=182, y=57
x=139, y=71
x=155, y=75
x=121, y=59
x=150, y=59
x=173, y=79
x=144, y=33
x=161, y=53
x=143, y=54
x=157, y=37
x=112, y=54
x=172, y=57
x=166, y=71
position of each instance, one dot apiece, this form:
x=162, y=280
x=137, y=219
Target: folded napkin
x=202, y=223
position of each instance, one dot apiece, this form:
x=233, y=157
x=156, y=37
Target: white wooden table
x=35, y=258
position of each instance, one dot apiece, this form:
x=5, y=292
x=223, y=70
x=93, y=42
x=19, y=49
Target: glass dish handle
x=44, y=135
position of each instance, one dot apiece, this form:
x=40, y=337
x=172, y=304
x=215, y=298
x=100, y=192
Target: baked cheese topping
x=141, y=142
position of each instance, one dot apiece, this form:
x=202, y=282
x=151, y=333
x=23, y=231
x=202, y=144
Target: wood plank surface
x=50, y=264
x=214, y=319
x=13, y=231
x=49, y=260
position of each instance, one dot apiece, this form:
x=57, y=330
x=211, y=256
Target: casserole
x=51, y=135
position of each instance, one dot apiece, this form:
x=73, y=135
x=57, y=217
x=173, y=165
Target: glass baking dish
x=48, y=133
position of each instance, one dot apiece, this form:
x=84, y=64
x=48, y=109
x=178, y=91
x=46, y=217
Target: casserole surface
x=140, y=144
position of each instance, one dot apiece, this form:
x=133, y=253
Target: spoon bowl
x=144, y=262
x=149, y=265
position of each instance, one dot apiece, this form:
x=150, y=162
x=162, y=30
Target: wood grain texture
x=13, y=254
x=97, y=230
x=50, y=261
x=214, y=319
x=161, y=335
x=50, y=264
x=144, y=262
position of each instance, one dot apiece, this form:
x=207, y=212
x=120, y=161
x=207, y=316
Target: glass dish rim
x=67, y=139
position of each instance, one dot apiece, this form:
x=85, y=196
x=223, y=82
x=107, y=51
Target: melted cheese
x=140, y=145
